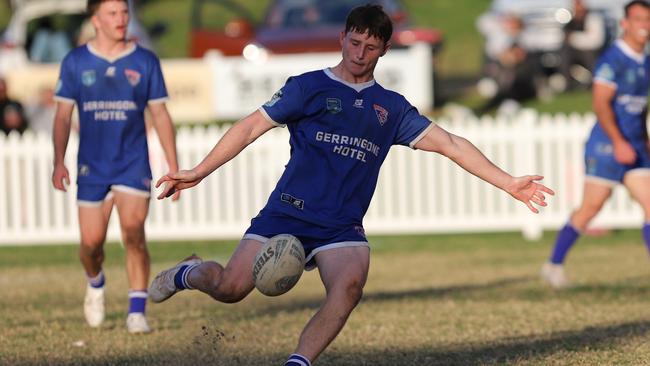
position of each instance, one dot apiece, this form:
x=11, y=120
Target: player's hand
x=527, y=190
x=624, y=153
x=60, y=177
x=177, y=181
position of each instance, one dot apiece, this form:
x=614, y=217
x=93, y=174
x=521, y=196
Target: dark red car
x=290, y=26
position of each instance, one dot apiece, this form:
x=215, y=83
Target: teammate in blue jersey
x=342, y=124
x=617, y=149
x=112, y=82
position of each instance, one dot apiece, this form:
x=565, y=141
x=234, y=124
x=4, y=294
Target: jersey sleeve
x=605, y=71
x=286, y=106
x=157, y=88
x=66, y=89
x=412, y=126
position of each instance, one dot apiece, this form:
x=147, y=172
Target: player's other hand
x=177, y=181
x=527, y=190
x=624, y=153
x=60, y=177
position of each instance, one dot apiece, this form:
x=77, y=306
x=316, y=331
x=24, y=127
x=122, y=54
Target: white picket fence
x=417, y=192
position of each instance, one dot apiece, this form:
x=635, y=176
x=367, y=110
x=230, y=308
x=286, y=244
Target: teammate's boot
x=136, y=323
x=163, y=287
x=94, y=306
x=554, y=275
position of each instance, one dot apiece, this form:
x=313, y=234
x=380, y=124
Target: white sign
x=242, y=86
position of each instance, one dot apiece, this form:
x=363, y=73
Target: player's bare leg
x=232, y=283
x=93, y=222
x=344, y=272
x=132, y=210
x=594, y=196
x=637, y=182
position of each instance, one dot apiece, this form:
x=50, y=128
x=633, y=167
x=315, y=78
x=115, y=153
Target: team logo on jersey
x=630, y=77
x=88, y=77
x=358, y=103
x=274, y=99
x=84, y=170
x=110, y=72
x=333, y=105
x=132, y=76
x=382, y=114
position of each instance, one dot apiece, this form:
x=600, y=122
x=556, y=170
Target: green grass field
x=430, y=300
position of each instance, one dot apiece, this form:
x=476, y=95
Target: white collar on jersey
x=356, y=86
x=629, y=52
x=129, y=50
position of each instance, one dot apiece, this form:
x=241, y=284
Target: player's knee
x=223, y=288
x=350, y=292
x=94, y=249
x=133, y=235
x=590, y=210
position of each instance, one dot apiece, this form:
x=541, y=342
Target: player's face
x=111, y=19
x=361, y=53
x=637, y=25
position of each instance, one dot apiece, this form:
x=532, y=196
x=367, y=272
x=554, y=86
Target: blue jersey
x=111, y=96
x=340, y=134
x=629, y=72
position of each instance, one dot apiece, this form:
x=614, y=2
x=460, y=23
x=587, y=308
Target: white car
x=69, y=15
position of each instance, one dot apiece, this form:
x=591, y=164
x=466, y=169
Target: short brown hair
x=93, y=5
x=629, y=5
x=371, y=18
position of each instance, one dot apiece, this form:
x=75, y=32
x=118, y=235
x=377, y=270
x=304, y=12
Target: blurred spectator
x=584, y=40
x=41, y=110
x=49, y=44
x=509, y=69
x=12, y=117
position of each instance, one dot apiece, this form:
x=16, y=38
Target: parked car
x=64, y=16
x=291, y=26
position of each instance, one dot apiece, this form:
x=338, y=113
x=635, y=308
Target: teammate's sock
x=97, y=281
x=646, y=234
x=137, y=301
x=565, y=240
x=180, y=278
x=297, y=360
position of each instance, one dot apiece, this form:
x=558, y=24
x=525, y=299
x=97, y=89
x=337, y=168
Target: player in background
x=342, y=124
x=617, y=149
x=112, y=81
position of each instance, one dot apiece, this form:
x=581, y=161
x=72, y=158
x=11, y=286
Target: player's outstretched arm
x=60, y=137
x=240, y=135
x=464, y=153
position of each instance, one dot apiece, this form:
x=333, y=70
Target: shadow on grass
x=422, y=293
x=504, y=351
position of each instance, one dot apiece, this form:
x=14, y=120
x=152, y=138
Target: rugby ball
x=278, y=265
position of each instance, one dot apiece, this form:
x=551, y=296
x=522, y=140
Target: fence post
x=526, y=163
